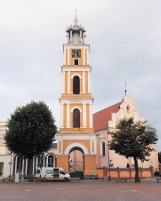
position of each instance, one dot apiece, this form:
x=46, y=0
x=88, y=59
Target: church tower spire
x=75, y=33
x=125, y=89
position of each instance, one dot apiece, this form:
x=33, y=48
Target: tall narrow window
x=76, y=118
x=1, y=168
x=103, y=148
x=76, y=85
x=75, y=61
x=19, y=163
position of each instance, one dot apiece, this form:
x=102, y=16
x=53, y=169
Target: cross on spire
x=75, y=19
x=125, y=89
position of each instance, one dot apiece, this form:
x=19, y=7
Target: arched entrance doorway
x=76, y=162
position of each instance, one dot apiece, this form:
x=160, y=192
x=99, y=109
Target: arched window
x=50, y=161
x=128, y=107
x=76, y=118
x=76, y=85
x=103, y=149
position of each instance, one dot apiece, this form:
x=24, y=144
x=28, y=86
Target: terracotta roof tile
x=101, y=118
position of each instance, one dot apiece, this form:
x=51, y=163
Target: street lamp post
x=109, y=176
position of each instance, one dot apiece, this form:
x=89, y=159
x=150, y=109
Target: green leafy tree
x=133, y=140
x=30, y=132
x=159, y=157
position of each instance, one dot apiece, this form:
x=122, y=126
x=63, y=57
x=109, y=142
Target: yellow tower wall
x=90, y=165
x=62, y=161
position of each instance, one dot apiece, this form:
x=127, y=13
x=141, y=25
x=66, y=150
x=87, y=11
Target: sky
x=125, y=39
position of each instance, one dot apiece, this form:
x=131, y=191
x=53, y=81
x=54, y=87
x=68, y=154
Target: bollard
x=17, y=177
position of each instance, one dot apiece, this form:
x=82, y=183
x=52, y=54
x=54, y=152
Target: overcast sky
x=125, y=39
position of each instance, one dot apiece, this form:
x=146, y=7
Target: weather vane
x=75, y=19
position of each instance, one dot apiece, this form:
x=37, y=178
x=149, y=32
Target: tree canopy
x=133, y=140
x=31, y=129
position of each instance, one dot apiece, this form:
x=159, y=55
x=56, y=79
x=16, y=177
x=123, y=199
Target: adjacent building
x=5, y=156
x=105, y=122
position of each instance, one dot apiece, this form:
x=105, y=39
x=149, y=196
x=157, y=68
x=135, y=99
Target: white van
x=50, y=173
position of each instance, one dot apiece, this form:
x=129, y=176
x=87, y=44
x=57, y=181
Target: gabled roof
x=101, y=118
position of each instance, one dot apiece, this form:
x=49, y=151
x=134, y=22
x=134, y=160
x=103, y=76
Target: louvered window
x=76, y=85
x=76, y=118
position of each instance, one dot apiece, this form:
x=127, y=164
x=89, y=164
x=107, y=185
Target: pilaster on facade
x=68, y=116
x=68, y=88
x=91, y=116
x=84, y=116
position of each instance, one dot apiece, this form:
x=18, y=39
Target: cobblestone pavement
x=82, y=191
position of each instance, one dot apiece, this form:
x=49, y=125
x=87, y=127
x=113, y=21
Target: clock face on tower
x=76, y=53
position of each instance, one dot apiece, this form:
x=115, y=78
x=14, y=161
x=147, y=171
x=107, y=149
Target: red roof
x=101, y=118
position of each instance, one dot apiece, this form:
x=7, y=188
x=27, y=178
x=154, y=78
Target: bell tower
x=76, y=138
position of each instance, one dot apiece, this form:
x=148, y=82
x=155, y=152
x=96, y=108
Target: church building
x=105, y=122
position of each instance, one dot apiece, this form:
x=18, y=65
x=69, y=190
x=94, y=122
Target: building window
x=1, y=168
x=128, y=107
x=76, y=118
x=40, y=161
x=75, y=61
x=50, y=161
x=103, y=149
x=76, y=85
x=19, y=164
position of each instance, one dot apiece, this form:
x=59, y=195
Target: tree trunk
x=30, y=171
x=137, y=178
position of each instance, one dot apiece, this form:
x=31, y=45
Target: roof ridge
x=102, y=117
x=108, y=107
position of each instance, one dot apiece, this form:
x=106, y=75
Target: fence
x=114, y=173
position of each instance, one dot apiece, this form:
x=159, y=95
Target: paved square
x=82, y=191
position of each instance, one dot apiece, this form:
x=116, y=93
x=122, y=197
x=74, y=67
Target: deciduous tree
x=30, y=131
x=134, y=140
